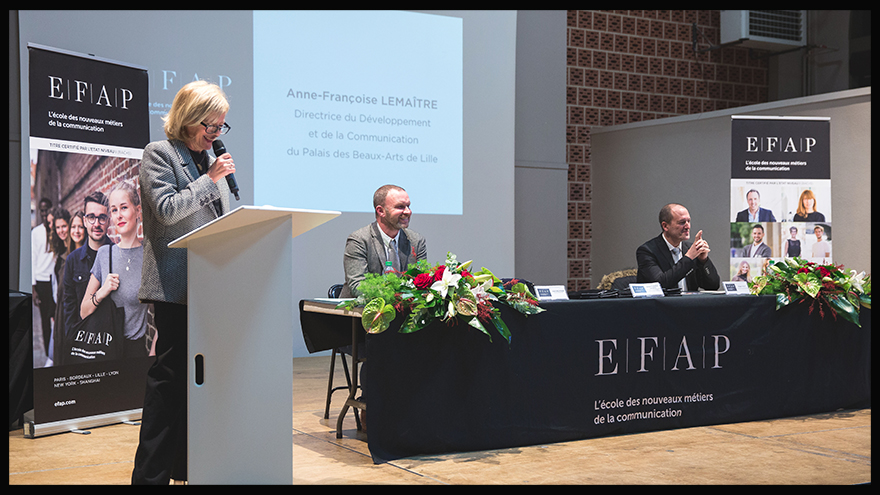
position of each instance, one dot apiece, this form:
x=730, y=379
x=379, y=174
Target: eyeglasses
x=102, y=219
x=211, y=129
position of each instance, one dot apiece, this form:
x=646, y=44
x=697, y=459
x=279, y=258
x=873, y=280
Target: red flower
x=438, y=275
x=484, y=311
x=824, y=271
x=423, y=280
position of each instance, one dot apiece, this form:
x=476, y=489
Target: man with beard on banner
x=182, y=188
x=79, y=263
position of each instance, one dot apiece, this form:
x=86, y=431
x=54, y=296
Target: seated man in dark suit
x=673, y=262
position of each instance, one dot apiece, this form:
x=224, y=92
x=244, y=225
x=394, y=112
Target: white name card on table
x=652, y=289
x=736, y=288
x=551, y=292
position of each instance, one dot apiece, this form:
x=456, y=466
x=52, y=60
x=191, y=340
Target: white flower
x=449, y=280
x=450, y=313
x=480, y=292
x=857, y=280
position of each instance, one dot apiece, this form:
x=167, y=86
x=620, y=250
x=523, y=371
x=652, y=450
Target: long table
x=591, y=368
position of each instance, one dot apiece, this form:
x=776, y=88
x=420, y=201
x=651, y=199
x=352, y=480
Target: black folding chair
x=334, y=292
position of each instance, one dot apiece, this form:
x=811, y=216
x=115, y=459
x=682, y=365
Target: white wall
x=541, y=192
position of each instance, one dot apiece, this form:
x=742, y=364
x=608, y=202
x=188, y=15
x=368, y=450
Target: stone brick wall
x=634, y=65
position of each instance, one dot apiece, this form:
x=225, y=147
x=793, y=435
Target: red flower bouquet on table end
x=821, y=286
x=446, y=292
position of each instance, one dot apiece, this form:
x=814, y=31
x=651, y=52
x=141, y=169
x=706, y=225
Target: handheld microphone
x=219, y=149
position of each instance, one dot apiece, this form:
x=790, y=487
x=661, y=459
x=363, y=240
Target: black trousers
x=161, y=452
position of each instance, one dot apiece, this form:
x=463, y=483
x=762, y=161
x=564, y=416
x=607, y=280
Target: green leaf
x=809, y=285
x=782, y=300
x=349, y=304
x=377, y=316
x=853, y=299
x=501, y=327
x=844, y=308
x=476, y=323
x=417, y=320
x=758, y=284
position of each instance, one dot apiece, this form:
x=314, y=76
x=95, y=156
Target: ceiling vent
x=765, y=29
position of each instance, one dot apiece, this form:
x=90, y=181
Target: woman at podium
x=182, y=188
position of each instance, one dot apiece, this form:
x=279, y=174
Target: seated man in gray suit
x=673, y=262
x=368, y=248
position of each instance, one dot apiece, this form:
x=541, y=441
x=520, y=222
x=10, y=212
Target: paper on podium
x=303, y=221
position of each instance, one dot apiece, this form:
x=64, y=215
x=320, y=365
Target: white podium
x=240, y=344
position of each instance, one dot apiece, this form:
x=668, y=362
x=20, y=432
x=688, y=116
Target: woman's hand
x=111, y=284
x=95, y=294
x=221, y=167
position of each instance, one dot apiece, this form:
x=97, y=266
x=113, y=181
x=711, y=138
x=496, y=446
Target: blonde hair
x=129, y=187
x=807, y=194
x=192, y=104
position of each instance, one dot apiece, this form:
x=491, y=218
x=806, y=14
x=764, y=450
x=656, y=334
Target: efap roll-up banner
x=780, y=192
x=89, y=124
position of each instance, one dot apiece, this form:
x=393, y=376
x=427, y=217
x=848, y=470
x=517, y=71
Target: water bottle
x=388, y=268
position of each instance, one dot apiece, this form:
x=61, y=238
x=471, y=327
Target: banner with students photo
x=780, y=192
x=89, y=124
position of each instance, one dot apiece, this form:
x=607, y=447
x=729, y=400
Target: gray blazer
x=365, y=253
x=175, y=200
x=763, y=251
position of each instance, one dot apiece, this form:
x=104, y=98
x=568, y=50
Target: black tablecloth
x=585, y=369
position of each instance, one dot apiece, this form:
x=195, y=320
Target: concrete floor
x=832, y=448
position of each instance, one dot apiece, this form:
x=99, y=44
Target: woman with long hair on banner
x=61, y=246
x=77, y=233
x=182, y=188
x=806, y=210
x=77, y=230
